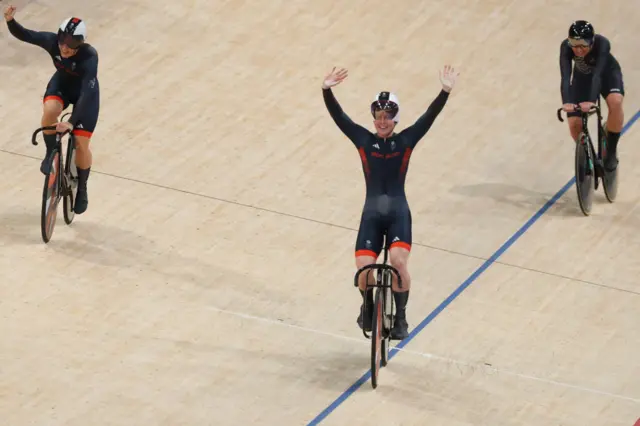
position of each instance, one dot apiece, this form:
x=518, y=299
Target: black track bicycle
x=589, y=164
x=383, y=311
x=60, y=183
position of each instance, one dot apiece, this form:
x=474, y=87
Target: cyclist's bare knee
x=614, y=101
x=615, y=119
x=82, y=143
x=575, y=127
x=361, y=262
x=399, y=258
x=83, y=152
x=51, y=110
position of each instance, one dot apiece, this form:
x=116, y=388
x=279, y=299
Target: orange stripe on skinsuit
x=84, y=133
x=401, y=245
x=366, y=253
x=55, y=98
x=365, y=163
x=405, y=161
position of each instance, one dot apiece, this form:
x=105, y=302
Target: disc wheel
x=610, y=179
x=585, y=174
x=387, y=323
x=50, y=198
x=71, y=184
x=376, y=338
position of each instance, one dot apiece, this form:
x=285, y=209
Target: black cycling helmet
x=581, y=33
x=386, y=101
x=72, y=32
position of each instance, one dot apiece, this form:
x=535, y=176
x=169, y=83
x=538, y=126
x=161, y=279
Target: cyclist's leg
x=368, y=247
x=613, y=93
x=53, y=104
x=400, y=239
x=84, y=128
x=579, y=92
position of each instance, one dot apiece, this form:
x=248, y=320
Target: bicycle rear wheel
x=610, y=184
x=585, y=173
x=376, y=337
x=50, y=198
x=70, y=182
x=609, y=179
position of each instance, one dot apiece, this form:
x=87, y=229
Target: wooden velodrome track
x=210, y=281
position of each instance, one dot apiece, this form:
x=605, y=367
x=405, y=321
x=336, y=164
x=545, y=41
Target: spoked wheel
x=71, y=184
x=50, y=198
x=387, y=324
x=585, y=174
x=376, y=337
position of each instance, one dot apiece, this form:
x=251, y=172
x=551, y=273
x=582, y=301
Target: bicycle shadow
x=20, y=228
x=434, y=386
x=522, y=198
x=23, y=228
x=125, y=252
x=333, y=369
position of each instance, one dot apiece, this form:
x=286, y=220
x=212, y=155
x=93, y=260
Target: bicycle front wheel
x=387, y=323
x=70, y=182
x=50, y=198
x=376, y=337
x=585, y=174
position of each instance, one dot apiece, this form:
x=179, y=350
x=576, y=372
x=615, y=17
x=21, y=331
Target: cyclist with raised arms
x=385, y=160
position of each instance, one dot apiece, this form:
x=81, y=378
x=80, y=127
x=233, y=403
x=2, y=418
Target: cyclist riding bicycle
x=385, y=160
x=74, y=82
x=595, y=72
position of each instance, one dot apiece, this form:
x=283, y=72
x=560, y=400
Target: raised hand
x=9, y=12
x=334, y=78
x=448, y=78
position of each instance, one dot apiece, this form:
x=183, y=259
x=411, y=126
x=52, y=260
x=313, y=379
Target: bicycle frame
x=585, y=119
x=383, y=269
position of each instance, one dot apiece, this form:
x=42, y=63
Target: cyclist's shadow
x=104, y=245
x=93, y=242
x=101, y=244
x=332, y=369
x=20, y=228
x=522, y=198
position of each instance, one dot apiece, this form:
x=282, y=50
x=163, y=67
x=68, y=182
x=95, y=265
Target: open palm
x=334, y=78
x=448, y=77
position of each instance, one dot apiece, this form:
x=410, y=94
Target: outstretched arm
x=352, y=130
x=44, y=39
x=423, y=124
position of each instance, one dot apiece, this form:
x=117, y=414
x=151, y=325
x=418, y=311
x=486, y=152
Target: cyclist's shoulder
x=364, y=136
x=88, y=52
x=405, y=136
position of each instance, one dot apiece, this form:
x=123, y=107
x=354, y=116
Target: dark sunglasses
x=69, y=41
x=579, y=42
